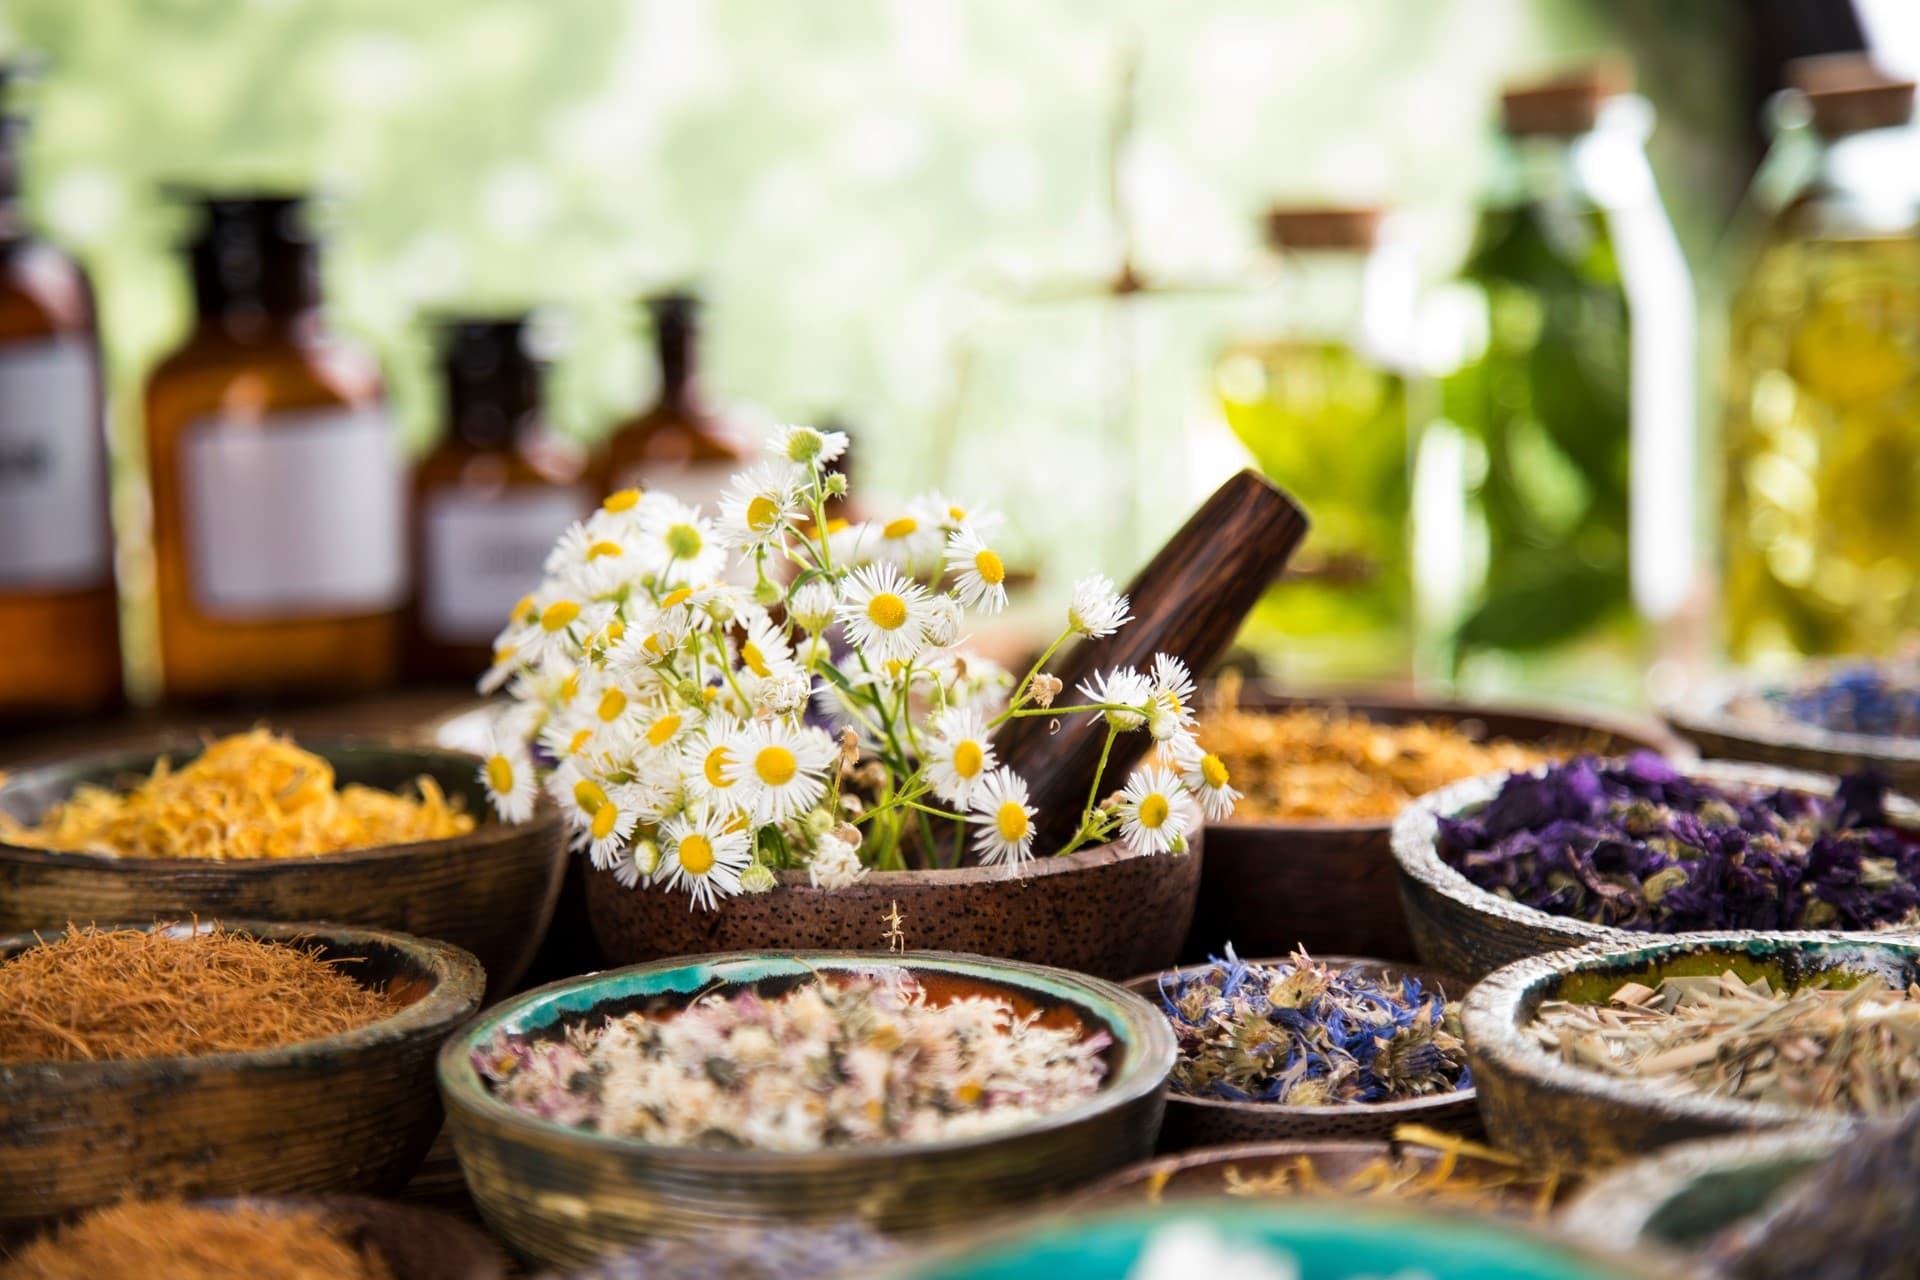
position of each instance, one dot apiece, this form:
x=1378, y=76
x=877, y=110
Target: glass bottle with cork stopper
x=491, y=498
x=1320, y=398
x=1820, y=442
x=59, y=615
x=279, y=504
x=680, y=445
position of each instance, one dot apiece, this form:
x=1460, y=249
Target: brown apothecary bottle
x=279, y=526
x=680, y=445
x=59, y=616
x=489, y=501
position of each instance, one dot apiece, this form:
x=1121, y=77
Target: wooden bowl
x=562, y=1195
x=490, y=892
x=1214, y=1122
x=1270, y=885
x=1458, y=927
x=1566, y=1117
x=348, y=1112
x=1709, y=717
x=1105, y=911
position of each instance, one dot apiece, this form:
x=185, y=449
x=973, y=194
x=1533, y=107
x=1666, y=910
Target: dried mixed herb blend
x=173, y=1240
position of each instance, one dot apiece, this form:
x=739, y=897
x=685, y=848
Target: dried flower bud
x=765, y=593
x=1044, y=688
x=849, y=746
x=817, y=823
x=757, y=878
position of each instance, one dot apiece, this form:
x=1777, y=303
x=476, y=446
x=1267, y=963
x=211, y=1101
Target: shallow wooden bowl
x=1709, y=717
x=1458, y=927
x=1213, y=1122
x=349, y=1112
x=564, y=1195
x=1568, y=1117
x=490, y=892
x=1105, y=911
x=1270, y=885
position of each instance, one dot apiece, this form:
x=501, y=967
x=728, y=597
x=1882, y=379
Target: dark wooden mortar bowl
x=1458, y=927
x=1105, y=911
x=1710, y=717
x=490, y=892
x=562, y=1195
x=1568, y=1117
x=1270, y=885
x=349, y=1112
x=1213, y=1122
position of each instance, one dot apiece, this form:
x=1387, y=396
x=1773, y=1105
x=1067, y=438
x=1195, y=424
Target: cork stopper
x=1323, y=227
x=1846, y=93
x=1566, y=105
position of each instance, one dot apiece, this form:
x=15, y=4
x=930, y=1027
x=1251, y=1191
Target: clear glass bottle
x=1820, y=445
x=1573, y=401
x=59, y=616
x=279, y=504
x=1318, y=394
x=490, y=499
x=681, y=444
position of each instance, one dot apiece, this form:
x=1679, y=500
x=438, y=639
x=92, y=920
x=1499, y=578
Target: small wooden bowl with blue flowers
x=1222, y=1119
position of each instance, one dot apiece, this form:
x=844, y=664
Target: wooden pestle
x=1189, y=602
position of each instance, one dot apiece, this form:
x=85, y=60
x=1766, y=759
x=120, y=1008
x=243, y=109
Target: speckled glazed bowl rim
x=457, y=979
x=1140, y=1029
x=1416, y=842
x=488, y=830
x=1708, y=708
x=1495, y=1009
x=1409, y=1110
x=1622, y=1204
x=1570, y=715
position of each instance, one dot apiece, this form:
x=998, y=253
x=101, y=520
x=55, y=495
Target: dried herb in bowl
x=174, y=1240
x=1306, y=1034
x=1878, y=700
x=1641, y=846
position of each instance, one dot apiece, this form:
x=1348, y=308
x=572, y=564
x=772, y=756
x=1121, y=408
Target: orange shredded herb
x=126, y=993
x=250, y=795
x=1452, y=1171
x=172, y=1240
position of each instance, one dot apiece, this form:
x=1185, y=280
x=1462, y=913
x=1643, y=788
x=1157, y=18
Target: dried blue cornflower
x=1880, y=700
x=1638, y=845
x=1308, y=1034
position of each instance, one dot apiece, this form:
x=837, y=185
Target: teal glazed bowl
x=1326, y=1240
x=564, y=1196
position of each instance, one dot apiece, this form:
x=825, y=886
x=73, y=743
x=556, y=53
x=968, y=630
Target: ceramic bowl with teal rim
x=1317, y=1240
x=1569, y=1117
x=564, y=1195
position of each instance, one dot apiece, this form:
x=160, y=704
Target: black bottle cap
x=253, y=251
x=492, y=380
x=675, y=307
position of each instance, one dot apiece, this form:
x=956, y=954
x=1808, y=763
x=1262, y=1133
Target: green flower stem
x=1106, y=750
x=1020, y=691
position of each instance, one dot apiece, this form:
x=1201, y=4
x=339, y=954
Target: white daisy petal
x=1003, y=818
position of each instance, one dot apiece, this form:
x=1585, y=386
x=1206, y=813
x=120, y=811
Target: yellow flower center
x=838, y=525
x=504, y=653
x=1153, y=811
x=776, y=766
x=570, y=687
x=588, y=795
x=624, y=500
x=616, y=629
x=988, y=566
x=761, y=513
x=500, y=774
x=715, y=768
x=579, y=740
x=604, y=819
x=1012, y=821
x=887, y=611
x=521, y=609
x=696, y=854
x=612, y=703
x=559, y=615
x=956, y=513
x=663, y=728
x=1213, y=771
x=901, y=528
x=755, y=660
x=967, y=759
x=737, y=823
x=684, y=541
x=969, y=1093
x=652, y=644
x=680, y=596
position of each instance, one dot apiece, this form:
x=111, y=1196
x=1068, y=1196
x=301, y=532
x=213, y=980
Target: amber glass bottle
x=59, y=626
x=679, y=445
x=279, y=520
x=489, y=501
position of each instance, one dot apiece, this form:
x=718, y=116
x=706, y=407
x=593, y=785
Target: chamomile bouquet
x=715, y=698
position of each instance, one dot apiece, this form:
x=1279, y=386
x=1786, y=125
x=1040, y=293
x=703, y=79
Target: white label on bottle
x=53, y=485
x=484, y=551
x=299, y=514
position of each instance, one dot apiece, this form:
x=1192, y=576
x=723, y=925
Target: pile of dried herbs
x=174, y=1240
x=1882, y=701
x=1640, y=846
x=1306, y=1034
x=1852, y=1049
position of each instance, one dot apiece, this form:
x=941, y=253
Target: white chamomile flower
x=852, y=545
x=557, y=625
x=1207, y=778
x=706, y=757
x=1004, y=818
x=979, y=575
x=944, y=620
x=960, y=757
x=781, y=770
x=569, y=733
x=811, y=605
x=784, y=692
x=757, y=510
x=908, y=543
x=593, y=562
x=676, y=544
x=1120, y=691
x=651, y=637
x=638, y=861
x=835, y=863
x=1173, y=692
x=603, y=699
x=1154, y=811
x=885, y=614
x=763, y=648
x=507, y=655
x=702, y=855
x=613, y=824
x=807, y=446
x=1096, y=609
x=667, y=726
x=508, y=774
x=553, y=684
x=950, y=515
